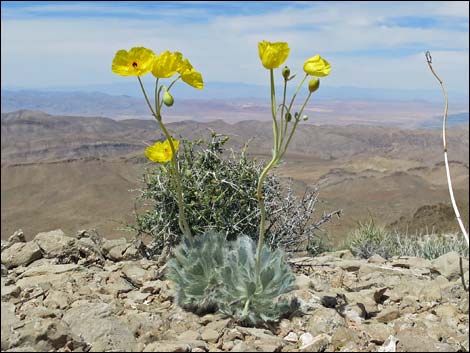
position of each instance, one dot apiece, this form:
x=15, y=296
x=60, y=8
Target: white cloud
x=66, y=51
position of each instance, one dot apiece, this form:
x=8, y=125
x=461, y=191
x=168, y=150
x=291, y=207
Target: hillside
x=76, y=172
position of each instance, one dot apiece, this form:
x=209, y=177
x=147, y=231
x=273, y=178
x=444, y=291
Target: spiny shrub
x=219, y=194
x=211, y=273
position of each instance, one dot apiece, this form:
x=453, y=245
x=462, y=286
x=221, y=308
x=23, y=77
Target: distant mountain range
x=404, y=114
x=245, y=91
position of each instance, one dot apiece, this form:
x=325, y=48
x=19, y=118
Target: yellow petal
x=159, y=152
x=317, y=66
x=185, y=66
x=136, y=62
x=167, y=64
x=176, y=144
x=273, y=55
x=193, y=78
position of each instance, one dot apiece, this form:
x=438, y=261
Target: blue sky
x=369, y=44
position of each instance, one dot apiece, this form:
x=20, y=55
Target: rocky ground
x=84, y=293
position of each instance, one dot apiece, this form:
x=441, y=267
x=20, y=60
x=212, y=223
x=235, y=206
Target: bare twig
x=449, y=181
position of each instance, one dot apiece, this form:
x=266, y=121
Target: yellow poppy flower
x=273, y=55
x=167, y=64
x=136, y=62
x=160, y=152
x=317, y=66
x=190, y=76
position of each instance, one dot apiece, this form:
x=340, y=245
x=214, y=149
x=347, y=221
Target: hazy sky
x=369, y=44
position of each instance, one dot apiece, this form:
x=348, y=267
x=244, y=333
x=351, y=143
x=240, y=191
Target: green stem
x=171, y=84
x=264, y=173
x=284, y=149
x=274, y=111
x=283, y=128
x=260, y=197
x=182, y=222
x=296, y=91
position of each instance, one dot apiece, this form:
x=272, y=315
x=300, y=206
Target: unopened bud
x=168, y=99
x=313, y=84
x=285, y=72
x=288, y=117
x=305, y=117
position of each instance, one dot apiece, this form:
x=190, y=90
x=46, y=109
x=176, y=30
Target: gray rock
x=136, y=274
x=388, y=314
x=377, y=332
x=189, y=335
x=344, y=337
x=9, y=322
x=218, y=325
x=57, y=280
x=17, y=237
x=57, y=300
x=417, y=340
x=291, y=337
x=43, y=335
x=431, y=292
x=324, y=320
x=49, y=269
x=117, y=252
x=411, y=262
x=243, y=347
x=138, y=297
x=100, y=327
x=109, y=244
x=256, y=332
x=4, y=270
x=168, y=346
x=20, y=254
x=318, y=344
x=305, y=340
x=448, y=265
x=303, y=282
x=53, y=243
x=10, y=292
x=117, y=285
x=210, y=335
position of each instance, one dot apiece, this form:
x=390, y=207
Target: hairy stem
x=182, y=221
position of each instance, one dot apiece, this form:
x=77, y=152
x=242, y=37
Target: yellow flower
x=161, y=151
x=136, y=62
x=167, y=64
x=273, y=55
x=190, y=76
x=317, y=66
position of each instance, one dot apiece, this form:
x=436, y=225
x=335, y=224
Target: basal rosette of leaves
x=212, y=274
x=251, y=299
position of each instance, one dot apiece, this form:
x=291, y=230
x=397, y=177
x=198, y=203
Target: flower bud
x=168, y=99
x=305, y=117
x=288, y=117
x=313, y=84
x=285, y=72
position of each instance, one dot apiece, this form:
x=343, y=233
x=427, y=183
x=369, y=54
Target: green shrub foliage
x=220, y=195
